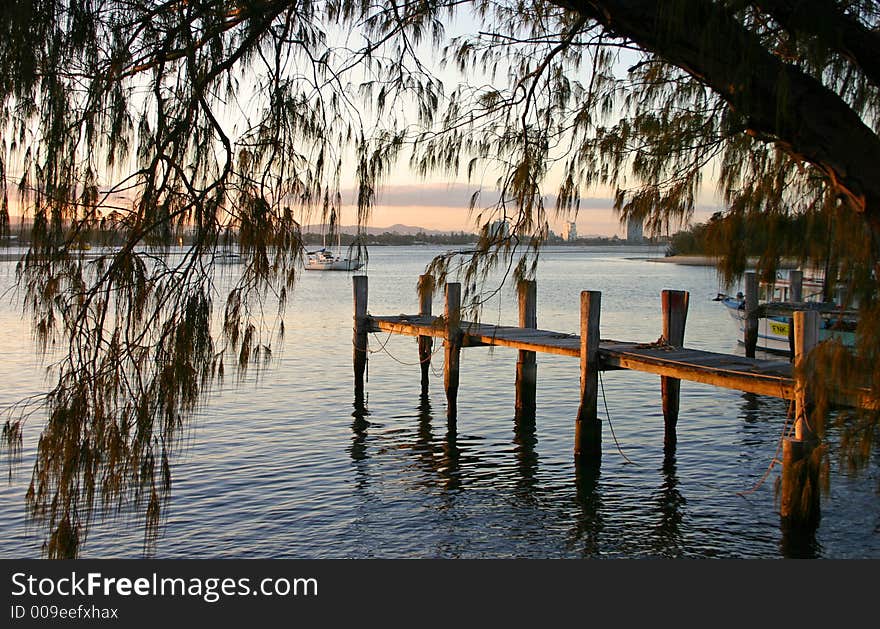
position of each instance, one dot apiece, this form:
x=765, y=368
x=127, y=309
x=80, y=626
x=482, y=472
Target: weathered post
x=795, y=295
x=452, y=351
x=426, y=343
x=799, y=503
x=588, y=430
x=795, y=285
x=675, y=306
x=750, y=333
x=359, y=339
x=806, y=337
x=526, y=365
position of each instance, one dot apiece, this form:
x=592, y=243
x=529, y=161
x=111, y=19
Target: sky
x=441, y=205
x=444, y=206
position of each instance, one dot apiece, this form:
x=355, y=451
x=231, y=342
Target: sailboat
x=324, y=259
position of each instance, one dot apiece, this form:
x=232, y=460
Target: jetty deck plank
x=764, y=377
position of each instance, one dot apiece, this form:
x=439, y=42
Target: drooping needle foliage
x=147, y=124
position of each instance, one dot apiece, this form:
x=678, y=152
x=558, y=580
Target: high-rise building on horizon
x=634, y=230
x=569, y=232
x=499, y=228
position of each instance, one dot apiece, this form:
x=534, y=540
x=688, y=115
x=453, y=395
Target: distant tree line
x=104, y=236
x=393, y=238
x=782, y=234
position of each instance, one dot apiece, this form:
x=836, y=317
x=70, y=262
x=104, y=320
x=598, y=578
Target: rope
x=376, y=351
x=610, y=425
x=434, y=371
x=383, y=348
x=786, y=427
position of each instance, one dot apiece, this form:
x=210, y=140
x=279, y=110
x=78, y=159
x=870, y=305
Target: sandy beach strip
x=694, y=260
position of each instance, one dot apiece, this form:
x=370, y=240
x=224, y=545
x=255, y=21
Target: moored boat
x=326, y=260
x=774, y=330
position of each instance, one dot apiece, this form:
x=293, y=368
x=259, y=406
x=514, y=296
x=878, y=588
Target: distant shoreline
x=685, y=260
x=695, y=260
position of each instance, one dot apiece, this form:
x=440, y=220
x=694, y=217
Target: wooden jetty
x=667, y=358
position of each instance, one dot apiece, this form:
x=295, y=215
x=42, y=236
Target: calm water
x=284, y=465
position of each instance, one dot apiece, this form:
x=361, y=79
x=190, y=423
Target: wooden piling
x=359, y=339
x=806, y=337
x=426, y=343
x=795, y=285
x=750, y=333
x=588, y=430
x=799, y=497
x=452, y=348
x=796, y=295
x=800, y=478
x=799, y=501
x=675, y=306
x=526, y=364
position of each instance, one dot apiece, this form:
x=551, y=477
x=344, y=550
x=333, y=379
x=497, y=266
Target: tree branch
x=776, y=99
x=836, y=29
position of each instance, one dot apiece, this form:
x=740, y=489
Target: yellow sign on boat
x=779, y=328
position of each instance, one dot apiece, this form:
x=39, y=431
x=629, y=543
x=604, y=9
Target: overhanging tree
x=230, y=120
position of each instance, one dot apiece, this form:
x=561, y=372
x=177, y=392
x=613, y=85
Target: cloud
x=458, y=195
x=426, y=195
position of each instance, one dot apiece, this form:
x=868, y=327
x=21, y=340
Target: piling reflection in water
x=385, y=477
x=441, y=460
x=799, y=543
x=794, y=543
x=670, y=506
x=425, y=436
x=448, y=465
x=751, y=407
x=359, y=426
x=525, y=440
x=589, y=523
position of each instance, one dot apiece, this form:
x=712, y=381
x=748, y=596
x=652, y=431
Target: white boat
x=326, y=260
x=228, y=257
x=773, y=332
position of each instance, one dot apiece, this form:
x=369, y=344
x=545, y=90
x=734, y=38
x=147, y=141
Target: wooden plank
x=546, y=347
x=763, y=384
x=553, y=341
x=508, y=338
x=412, y=327
x=772, y=378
